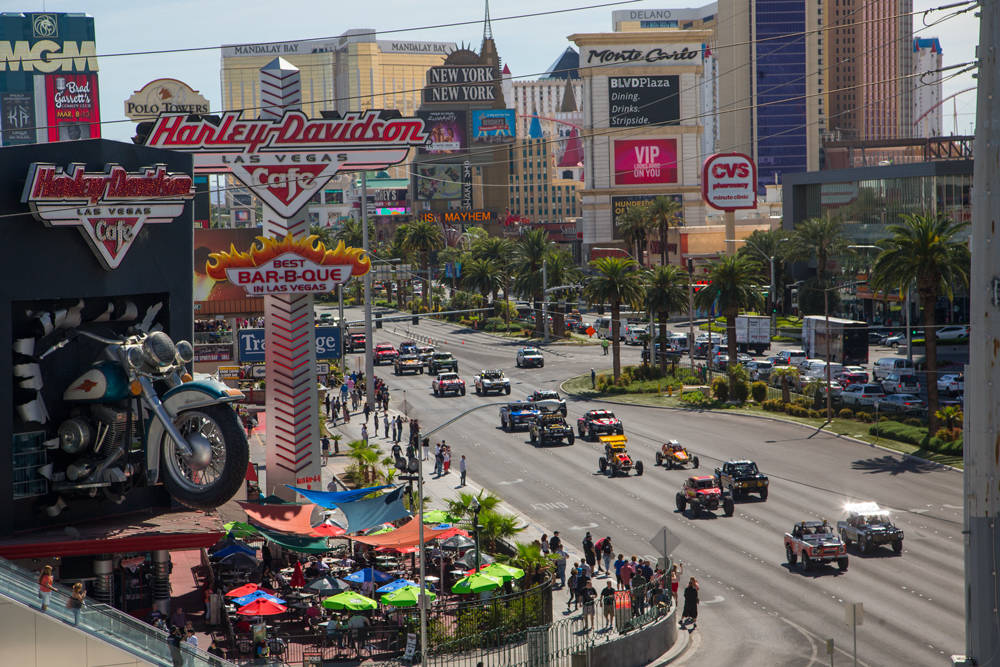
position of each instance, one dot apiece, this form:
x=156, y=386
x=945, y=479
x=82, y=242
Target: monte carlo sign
x=286, y=161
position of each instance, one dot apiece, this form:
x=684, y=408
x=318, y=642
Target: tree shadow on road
x=895, y=465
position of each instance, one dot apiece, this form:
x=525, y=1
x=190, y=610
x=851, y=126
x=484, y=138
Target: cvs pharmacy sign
x=729, y=182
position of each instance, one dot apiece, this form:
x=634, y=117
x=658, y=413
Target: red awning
x=251, y=475
x=294, y=519
x=407, y=535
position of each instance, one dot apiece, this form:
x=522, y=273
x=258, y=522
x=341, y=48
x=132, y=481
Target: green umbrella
x=349, y=600
x=240, y=529
x=407, y=596
x=386, y=528
x=501, y=571
x=438, y=516
x=476, y=583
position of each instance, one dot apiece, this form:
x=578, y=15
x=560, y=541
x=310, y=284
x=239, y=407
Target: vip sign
x=286, y=161
x=645, y=161
x=288, y=266
x=729, y=182
x=109, y=208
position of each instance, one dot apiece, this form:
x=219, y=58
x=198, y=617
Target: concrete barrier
x=635, y=649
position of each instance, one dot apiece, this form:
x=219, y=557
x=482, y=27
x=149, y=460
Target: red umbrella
x=482, y=566
x=262, y=607
x=328, y=529
x=298, y=579
x=451, y=532
x=240, y=591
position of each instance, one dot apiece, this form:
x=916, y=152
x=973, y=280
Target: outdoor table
x=431, y=578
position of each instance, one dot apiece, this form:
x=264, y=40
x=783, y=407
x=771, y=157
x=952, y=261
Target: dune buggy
x=616, y=459
x=675, y=455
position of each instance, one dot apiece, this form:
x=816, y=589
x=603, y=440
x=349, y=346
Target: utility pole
x=545, y=300
x=691, y=312
x=982, y=422
x=369, y=343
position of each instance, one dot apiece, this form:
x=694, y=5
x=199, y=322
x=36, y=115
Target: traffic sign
x=664, y=541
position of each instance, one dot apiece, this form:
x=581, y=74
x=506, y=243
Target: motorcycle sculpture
x=138, y=416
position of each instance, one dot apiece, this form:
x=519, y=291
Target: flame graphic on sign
x=265, y=249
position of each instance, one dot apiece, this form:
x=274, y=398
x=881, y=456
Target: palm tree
x=482, y=276
x=732, y=286
x=635, y=227
x=561, y=270
x=617, y=282
x=530, y=252
x=666, y=291
x=821, y=239
x=461, y=507
x=497, y=526
x=424, y=237
x=499, y=250
x=351, y=233
x=398, y=250
x=529, y=557
x=925, y=250
x=366, y=457
x=786, y=374
x=665, y=213
x=761, y=245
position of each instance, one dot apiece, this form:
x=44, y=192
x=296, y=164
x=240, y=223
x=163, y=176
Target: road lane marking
x=549, y=506
x=587, y=527
x=513, y=481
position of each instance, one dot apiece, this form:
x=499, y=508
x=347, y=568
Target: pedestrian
x=639, y=582
x=399, y=429
x=545, y=544
x=675, y=578
x=581, y=583
x=334, y=412
x=607, y=553
x=593, y=379
x=589, y=596
x=426, y=449
x=608, y=603
x=364, y=433
x=618, y=570
x=690, y=613
x=588, y=550
x=326, y=402
x=395, y=428
x=368, y=411
x=174, y=642
x=192, y=638
x=385, y=423
x=572, y=585
x=446, y=459
x=46, y=584
x=462, y=470
x=555, y=542
x=627, y=571
x=561, y=557
x=438, y=460
x=347, y=414
x=75, y=602
x=324, y=444
x=604, y=346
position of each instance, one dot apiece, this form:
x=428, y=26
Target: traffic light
x=378, y=321
x=414, y=320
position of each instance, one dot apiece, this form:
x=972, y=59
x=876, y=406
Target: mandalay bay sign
x=285, y=161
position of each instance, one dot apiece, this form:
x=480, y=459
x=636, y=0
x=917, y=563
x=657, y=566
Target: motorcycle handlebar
x=73, y=334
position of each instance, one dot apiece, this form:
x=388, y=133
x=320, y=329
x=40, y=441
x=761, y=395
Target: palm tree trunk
x=616, y=362
x=662, y=322
x=731, y=344
x=928, y=298
x=663, y=242
x=427, y=286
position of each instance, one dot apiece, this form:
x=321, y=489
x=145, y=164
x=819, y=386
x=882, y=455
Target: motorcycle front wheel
x=216, y=483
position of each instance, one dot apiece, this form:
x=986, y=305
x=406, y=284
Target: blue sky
x=526, y=45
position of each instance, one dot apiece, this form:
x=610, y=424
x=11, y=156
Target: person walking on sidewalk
x=690, y=613
x=572, y=586
x=326, y=402
x=438, y=459
x=347, y=414
x=385, y=423
x=364, y=433
x=589, y=552
x=368, y=411
x=446, y=458
x=561, y=557
x=607, y=553
x=462, y=469
x=618, y=570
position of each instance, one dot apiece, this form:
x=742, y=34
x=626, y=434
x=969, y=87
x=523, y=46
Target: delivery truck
x=753, y=332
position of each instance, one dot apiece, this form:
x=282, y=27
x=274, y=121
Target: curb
x=680, y=647
x=767, y=418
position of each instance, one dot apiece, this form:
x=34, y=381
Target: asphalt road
x=755, y=610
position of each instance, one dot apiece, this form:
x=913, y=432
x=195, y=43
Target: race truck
x=548, y=395
x=425, y=352
x=616, y=459
x=355, y=342
x=407, y=363
x=491, y=380
x=446, y=383
x=702, y=493
x=550, y=427
x=517, y=414
x=740, y=478
x=384, y=353
x=812, y=543
x=675, y=455
x=407, y=347
x=598, y=422
x=529, y=357
x=442, y=361
x=870, y=527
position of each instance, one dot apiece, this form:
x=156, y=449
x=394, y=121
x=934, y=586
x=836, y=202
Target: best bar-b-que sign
x=286, y=161
x=110, y=207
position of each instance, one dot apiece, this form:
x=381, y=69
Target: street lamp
x=475, y=525
x=769, y=258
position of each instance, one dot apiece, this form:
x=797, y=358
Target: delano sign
x=47, y=56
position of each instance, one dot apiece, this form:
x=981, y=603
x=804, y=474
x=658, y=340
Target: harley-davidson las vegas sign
x=109, y=208
x=285, y=161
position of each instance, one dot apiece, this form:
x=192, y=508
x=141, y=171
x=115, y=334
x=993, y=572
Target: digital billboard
x=621, y=204
x=17, y=118
x=493, y=126
x=645, y=161
x=634, y=101
x=438, y=181
x=447, y=130
x=71, y=107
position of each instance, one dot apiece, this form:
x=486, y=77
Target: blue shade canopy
x=395, y=585
x=234, y=549
x=364, y=514
x=257, y=595
x=332, y=499
x=368, y=574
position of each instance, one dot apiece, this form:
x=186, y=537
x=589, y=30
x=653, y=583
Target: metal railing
x=103, y=622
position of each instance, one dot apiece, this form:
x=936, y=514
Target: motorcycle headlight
x=134, y=356
x=185, y=351
x=158, y=350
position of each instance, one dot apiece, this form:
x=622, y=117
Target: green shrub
x=696, y=398
x=741, y=391
x=815, y=414
x=846, y=413
x=913, y=421
x=865, y=417
x=803, y=402
x=758, y=390
x=720, y=389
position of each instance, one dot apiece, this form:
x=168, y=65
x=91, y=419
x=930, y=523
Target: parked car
x=789, y=357
x=951, y=384
x=759, y=370
x=956, y=332
x=862, y=395
x=882, y=367
x=895, y=340
x=846, y=378
x=901, y=383
x=903, y=404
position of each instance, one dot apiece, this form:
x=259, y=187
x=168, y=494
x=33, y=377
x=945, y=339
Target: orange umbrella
x=398, y=550
x=262, y=607
x=298, y=579
x=240, y=591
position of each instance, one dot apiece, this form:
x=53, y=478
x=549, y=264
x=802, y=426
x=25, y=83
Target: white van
x=603, y=327
x=633, y=333
x=818, y=370
x=886, y=365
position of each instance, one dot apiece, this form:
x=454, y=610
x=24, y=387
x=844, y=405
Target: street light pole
x=826, y=315
x=475, y=526
x=691, y=312
x=369, y=344
x=545, y=300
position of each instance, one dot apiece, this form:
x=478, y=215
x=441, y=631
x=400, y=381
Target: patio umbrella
x=327, y=585
x=398, y=550
x=240, y=591
x=351, y=601
x=437, y=516
x=328, y=529
x=262, y=607
x=457, y=542
x=476, y=583
x=395, y=585
x=368, y=574
x=407, y=596
x=240, y=529
x=234, y=548
x=469, y=559
x=298, y=579
x=502, y=571
x=258, y=595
